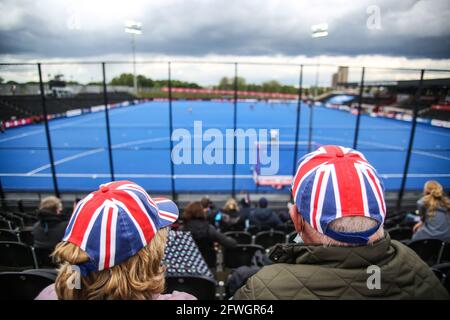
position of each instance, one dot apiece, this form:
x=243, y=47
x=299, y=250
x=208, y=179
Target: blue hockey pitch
x=141, y=147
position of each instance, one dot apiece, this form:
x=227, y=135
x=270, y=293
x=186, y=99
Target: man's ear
x=296, y=218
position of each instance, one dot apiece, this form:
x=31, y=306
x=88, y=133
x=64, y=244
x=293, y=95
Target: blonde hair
x=231, y=205
x=141, y=277
x=434, y=197
x=51, y=203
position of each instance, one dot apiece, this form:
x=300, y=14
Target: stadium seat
x=255, y=229
x=267, y=239
x=28, y=219
x=400, y=233
x=16, y=256
x=8, y=235
x=26, y=236
x=18, y=221
x=46, y=272
x=427, y=249
x=240, y=256
x=444, y=256
x=24, y=285
x=15, y=220
x=286, y=228
x=442, y=271
x=203, y=288
x=394, y=220
x=5, y=224
x=43, y=258
x=291, y=236
x=241, y=237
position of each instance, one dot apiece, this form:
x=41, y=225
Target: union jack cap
x=115, y=222
x=334, y=182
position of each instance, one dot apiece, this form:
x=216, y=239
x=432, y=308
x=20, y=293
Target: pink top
x=49, y=293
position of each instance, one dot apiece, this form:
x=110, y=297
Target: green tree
x=224, y=83
x=125, y=79
x=271, y=86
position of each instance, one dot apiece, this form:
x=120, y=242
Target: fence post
x=310, y=126
x=233, y=190
x=297, y=125
x=358, y=116
x=2, y=196
x=108, y=129
x=47, y=132
x=172, y=170
x=411, y=140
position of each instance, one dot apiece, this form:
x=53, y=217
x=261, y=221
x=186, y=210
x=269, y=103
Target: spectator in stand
x=264, y=217
x=209, y=208
x=204, y=234
x=115, y=240
x=434, y=209
x=50, y=228
x=230, y=218
x=342, y=251
x=284, y=215
x=245, y=208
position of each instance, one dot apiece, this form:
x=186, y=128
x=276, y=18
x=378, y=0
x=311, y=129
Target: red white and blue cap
x=334, y=182
x=115, y=222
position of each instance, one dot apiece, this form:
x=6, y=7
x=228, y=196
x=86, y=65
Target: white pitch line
x=194, y=176
x=130, y=175
x=415, y=175
x=90, y=117
x=41, y=130
x=94, y=151
x=436, y=132
x=67, y=159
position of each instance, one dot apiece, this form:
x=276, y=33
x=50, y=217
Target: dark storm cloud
x=196, y=28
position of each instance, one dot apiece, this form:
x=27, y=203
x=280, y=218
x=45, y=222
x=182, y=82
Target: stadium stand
x=267, y=239
x=15, y=256
x=442, y=271
x=24, y=285
x=31, y=105
x=19, y=260
x=8, y=235
x=43, y=258
x=400, y=233
x=428, y=249
x=242, y=237
x=445, y=253
x=240, y=256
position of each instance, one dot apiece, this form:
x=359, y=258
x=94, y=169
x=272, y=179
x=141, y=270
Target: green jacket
x=318, y=272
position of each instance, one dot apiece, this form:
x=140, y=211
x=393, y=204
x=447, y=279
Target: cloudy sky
x=403, y=33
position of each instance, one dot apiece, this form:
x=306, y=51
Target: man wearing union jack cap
x=341, y=250
x=115, y=242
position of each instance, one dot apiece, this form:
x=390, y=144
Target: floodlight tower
x=134, y=28
x=318, y=31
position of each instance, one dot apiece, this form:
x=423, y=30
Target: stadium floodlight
x=319, y=30
x=133, y=28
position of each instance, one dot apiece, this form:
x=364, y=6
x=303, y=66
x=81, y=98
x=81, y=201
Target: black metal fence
x=306, y=124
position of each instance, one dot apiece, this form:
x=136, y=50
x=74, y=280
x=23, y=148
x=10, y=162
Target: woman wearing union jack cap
x=113, y=247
